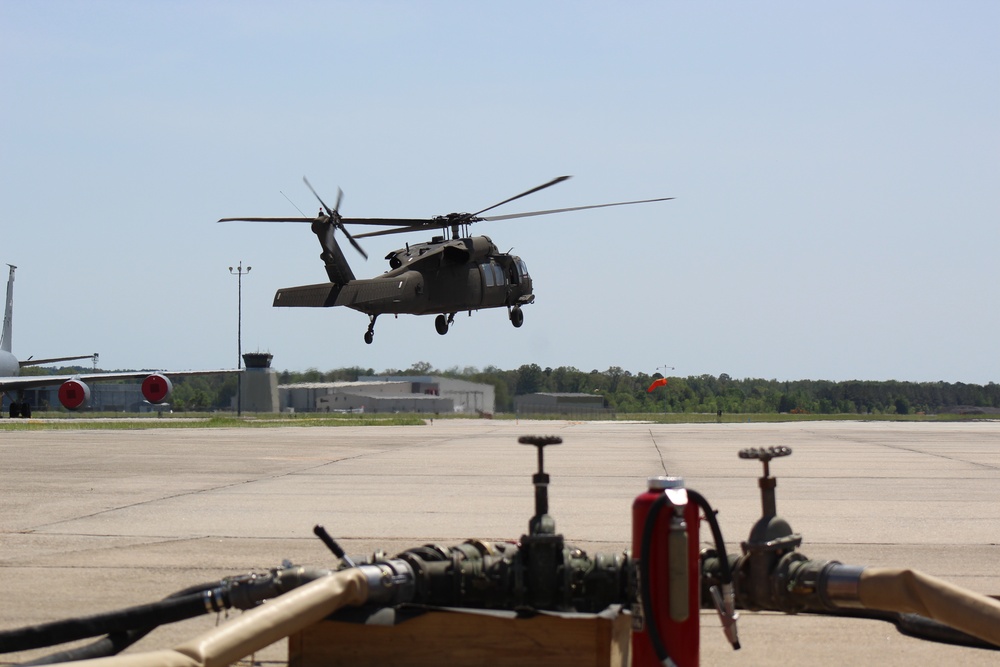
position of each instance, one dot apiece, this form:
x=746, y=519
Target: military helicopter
x=443, y=276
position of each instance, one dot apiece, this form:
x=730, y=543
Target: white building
x=423, y=394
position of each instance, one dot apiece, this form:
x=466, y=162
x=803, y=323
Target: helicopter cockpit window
x=487, y=274
x=523, y=268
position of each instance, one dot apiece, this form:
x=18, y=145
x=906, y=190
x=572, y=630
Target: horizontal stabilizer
x=322, y=295
x=38, y=362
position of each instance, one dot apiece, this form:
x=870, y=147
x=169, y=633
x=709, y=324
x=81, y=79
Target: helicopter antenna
x=293, y=204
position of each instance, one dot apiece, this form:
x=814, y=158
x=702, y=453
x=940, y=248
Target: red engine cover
x=156, y=388
x=74, y=394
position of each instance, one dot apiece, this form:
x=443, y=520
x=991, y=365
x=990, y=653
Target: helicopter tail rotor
x=334, y=221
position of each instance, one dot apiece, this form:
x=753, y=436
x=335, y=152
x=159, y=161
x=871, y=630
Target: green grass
x=707, y=418
x=48, y=421
x=737, y=418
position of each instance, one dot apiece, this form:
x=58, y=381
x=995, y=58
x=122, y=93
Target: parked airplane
x=73, y=390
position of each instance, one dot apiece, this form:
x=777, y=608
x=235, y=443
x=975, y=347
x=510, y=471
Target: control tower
x=260, y=383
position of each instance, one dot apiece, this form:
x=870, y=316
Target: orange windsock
x=661, y=382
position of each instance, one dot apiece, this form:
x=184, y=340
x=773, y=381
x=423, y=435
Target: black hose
x=113, y=644
x=922, y=627
x=914, y=625
x=169, y=610
x=720, y=544
x=645, y=592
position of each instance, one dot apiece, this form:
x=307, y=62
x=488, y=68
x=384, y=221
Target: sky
x=835, y=167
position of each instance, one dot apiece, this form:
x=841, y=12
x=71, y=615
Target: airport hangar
x=422, y=394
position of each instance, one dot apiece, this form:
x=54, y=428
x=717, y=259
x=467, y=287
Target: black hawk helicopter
x=442, y=276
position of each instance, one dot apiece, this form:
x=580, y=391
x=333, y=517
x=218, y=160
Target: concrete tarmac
x=92, y=521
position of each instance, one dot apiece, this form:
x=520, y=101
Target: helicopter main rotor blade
x=523, y=194
x=416, y=223
x=397, y=230
x=266, y=220
x=441, y=223
x=574, y=208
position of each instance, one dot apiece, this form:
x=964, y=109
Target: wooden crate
x=452, y=637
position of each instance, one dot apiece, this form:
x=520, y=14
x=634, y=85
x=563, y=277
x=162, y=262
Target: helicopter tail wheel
x=370, y=334
x=516, y=316
x=441, y=324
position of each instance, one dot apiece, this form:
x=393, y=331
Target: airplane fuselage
x=9, y=367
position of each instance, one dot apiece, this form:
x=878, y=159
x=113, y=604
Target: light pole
x=239, y=272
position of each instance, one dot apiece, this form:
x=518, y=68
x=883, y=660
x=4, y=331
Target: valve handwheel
x=765, y=455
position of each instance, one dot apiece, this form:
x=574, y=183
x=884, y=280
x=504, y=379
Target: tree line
x=627, y=392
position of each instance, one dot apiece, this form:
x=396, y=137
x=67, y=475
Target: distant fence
x=568, y=411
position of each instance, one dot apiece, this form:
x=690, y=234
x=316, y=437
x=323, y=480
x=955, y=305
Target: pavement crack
x=912, y=450
x=194, y=492
x=659, y=452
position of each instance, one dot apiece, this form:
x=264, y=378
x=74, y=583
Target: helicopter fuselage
x=446, y=277
x=437, y=277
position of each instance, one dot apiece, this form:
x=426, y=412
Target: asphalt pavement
x=92, y=521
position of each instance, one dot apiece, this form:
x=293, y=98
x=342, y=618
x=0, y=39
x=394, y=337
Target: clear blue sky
x=836, y=168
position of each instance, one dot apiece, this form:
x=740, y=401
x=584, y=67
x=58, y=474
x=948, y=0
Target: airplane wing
x=32, y=381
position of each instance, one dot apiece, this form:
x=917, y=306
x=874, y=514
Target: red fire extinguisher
x=665, y=544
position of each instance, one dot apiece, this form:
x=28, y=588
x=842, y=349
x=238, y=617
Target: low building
x=341, y=396
x=360, y=400
x=467, y=397
x=421, y=394
x=561, y=404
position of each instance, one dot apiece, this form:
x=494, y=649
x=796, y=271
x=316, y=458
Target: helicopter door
x=494, y=284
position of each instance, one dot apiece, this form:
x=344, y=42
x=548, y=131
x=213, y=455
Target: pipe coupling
x=839, y=586
x=390, y=582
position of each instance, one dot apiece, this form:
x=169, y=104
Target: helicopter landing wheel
x=369, y=337
x=516, y=316
x=370, y=334
x=441, y=324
